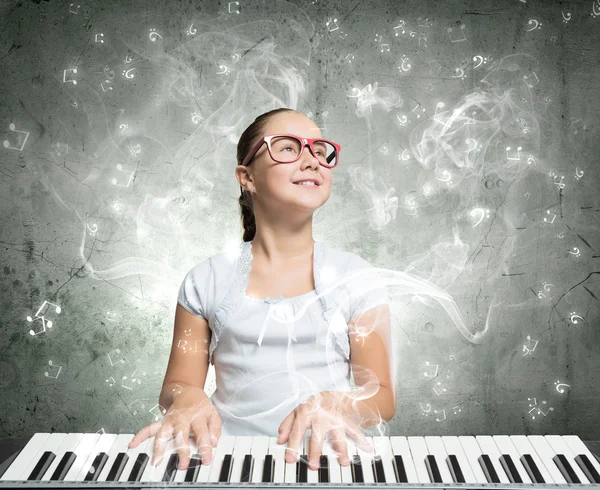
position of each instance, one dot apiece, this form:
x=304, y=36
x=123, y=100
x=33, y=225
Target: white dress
x=271, y=354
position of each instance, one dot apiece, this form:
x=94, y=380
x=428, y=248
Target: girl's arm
x=373, y=367
x=188, y=362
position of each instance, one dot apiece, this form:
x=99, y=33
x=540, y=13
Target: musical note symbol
x=437, y=419
x=566, y=18
x=417, y=107
x=527, y=77
x=73, y=70
x=455, y=411
x=553, y=216
x=574, y=315
x=115, y=352
x=225, y=70
x=191, y=30
x=154, y=35
x=458, y=39
x=525, y=348
x=405, y=66
x=423, y=38
x=157, y=411
x=102, y=85
x=539, y=410
x=400, y=26
x=443, y=390
x=7, y=144
x=383, y=46
x=99, y=38
x=237, y=4
x=350, y=61
x=558, y=385
x=595, y=9
x=428, y=374
x=54, y=367
x=425, y=412
x=111, y=381
x=138, y=406
x=513, y=155
x=573, y=123
x=42, y=317
x=116, y=181
x=576, y=253
x=133, y=378
x=538, y=25
x=71, y=9
x=332, y=22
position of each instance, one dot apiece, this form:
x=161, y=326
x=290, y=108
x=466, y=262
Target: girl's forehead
x=293, y=124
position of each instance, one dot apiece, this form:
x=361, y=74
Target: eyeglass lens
x=286, y=149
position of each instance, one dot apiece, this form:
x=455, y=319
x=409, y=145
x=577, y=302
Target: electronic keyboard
x=77, y=460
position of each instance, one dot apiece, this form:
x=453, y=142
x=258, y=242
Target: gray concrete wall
x=118, y=177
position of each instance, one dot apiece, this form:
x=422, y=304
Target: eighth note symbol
x=12, y=127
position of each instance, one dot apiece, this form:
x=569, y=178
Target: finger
x=201, y=433
x=215, y=427
x=317, y=436
x=285, y=428
x=340, y=445
x=295, y=438
x=160, y=441
x=358, y=436
x=144, y=433
x=182, y=446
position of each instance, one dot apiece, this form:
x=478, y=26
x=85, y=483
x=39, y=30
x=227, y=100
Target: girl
x=273, y=317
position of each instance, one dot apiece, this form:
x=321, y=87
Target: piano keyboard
x=502, y=461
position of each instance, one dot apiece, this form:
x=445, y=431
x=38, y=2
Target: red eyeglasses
x=287, y=148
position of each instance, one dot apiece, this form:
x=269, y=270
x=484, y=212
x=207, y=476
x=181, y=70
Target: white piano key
x=472, y=453
x=155, y=473
x=312, y=476
x=205, y=469
x=180, y=474
x=243, y=446
x=25, y=459
x=278, y=453
x=290, y=468
x=119, y=446
x=400, y=447
x=383, y=449
x=525, y=447
x=545, y=453
x=103, y=445
x=143, y=447
x=50, y=444
x=488, y=446
x=366, y=458
x=505, y=446
x=224, y=446
x=335, y=472
x=452, y=445
x=418, y=449
x=578, y=447
x=69, y=443
x=260, y=448
x=83, y=450
x=436, y=447
x=559, y=446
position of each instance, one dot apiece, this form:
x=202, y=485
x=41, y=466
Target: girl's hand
x=191, y=410
x=323, y=413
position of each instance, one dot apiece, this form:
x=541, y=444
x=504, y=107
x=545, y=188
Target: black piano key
x=138, y=467
x=532, y=469
x=225, y=474
x=118, y=466
x=565, y=468
x=357, y=471
x=247, y=467
x=302, y=469
x=488, y=468
x=588, y=468
x=97, y=466
x=323, y=469
x=378, y=473
x=432, y=469
x=455, y=471
x=268, y=469
x=42, y=466
x=510, y=469
x=64, y=466
x=399, y=469
x=171, y=468
x=191, y=474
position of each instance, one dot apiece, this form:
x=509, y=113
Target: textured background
x=468, y=131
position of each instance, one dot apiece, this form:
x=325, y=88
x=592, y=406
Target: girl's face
x=273, y=182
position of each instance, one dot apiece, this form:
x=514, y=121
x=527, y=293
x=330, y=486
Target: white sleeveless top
x=271, y=354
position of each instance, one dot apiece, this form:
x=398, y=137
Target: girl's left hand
x=322, y=413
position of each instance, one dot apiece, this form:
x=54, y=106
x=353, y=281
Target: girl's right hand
x=191, y=410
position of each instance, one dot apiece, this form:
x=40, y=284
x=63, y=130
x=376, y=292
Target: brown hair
x=248, y=139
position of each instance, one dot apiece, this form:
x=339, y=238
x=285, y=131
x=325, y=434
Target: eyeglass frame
x=304, y=142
